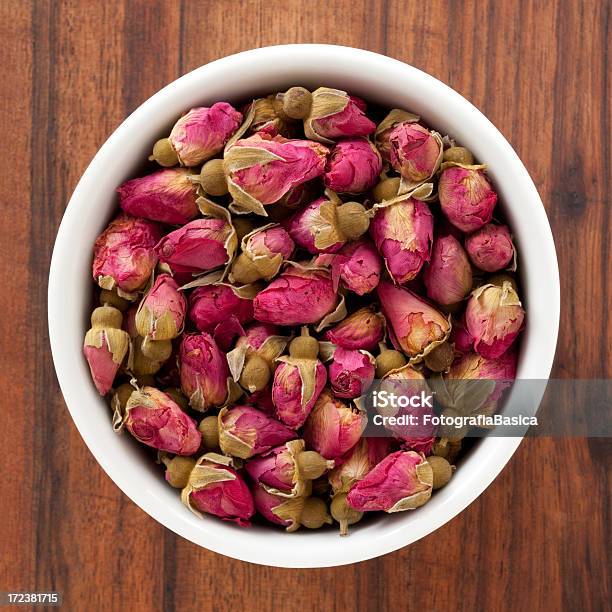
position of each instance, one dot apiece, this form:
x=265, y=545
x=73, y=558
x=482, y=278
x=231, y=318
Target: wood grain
x=539, y=537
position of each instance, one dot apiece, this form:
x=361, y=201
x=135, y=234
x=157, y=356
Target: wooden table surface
x=539, y=537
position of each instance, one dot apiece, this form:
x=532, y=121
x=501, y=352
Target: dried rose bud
x=363, y=329
x=264, y=251
x=448, y=276
x=466, y=197
x=357, y=265
x=245, y=431
x=335, y=114
x=333, y=427
x=161, y=313
x=460, y=337
x=326, y=224
x=252, y=360
x=490, y=248
x=353, y=166
x=204, y=371
x=154, y=419
x=298, y=381
x=403, y=233
x=287, y=469
x=401, y=481
x=264, y=118
x=203, y=244
x=299, y=296
x=310, y=512
x=124, y=255
x=414, y=152
x=262, y=169
x=214, y=304
x=496, y=376
x=351, y=373
x=105, y=346
x=494, y=317
x=394, y=118
x=215, y=487
x=167, y=196
x=416, y=327
x=358, y=462
x=202, y=132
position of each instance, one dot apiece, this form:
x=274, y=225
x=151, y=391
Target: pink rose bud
x=497, y=376
x=297, y=297
x=448, y=276
x=333, y=427
x=203, y=132
x=124, y=254
x=245, y=431
x=415, y=326
x=335, y=114
x=154, y=419
x=204, y=371
x=291, y=512
x=286, y=469
x=394, y=118
x=466, y=197
x=105, y=346
x=401, y=481
x=296, y=387
x=490, y=248
x=414, y=152
x=357, y=462
x=353, y=166
x=215, y=487
x=167, y=196
x=403, y=234
x=362, y=330
x=203, y=244
x=264, y=251
x=351, y=372
x=262, y=169
x=357, y=265
x=213, y=304
x=494, y=317
x=161, y=313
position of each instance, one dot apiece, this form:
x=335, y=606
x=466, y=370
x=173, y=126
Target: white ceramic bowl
x=239, y=77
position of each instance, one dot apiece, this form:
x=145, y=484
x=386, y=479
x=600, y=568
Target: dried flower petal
x=403, y=234
x=262, y=169
x=124, y=255
x=494, y=317
x=202, y=132
x=363, y=329
x=333, y=427
x=351, y=372
x=245, y=431
x=297, y=297
x=203, y=244
x=416, y=327
x=215, y=487
x=448, y=276
x=296, y=387
x=213, y=304
x=161, y=313
x=167, y=196
x=466, y=197
x=353, y=166
x=156, y=420
x=204, y=371
x=335, y=114
x=401, y=481
x=490, y=248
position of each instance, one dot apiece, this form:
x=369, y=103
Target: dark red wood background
x=539, y=538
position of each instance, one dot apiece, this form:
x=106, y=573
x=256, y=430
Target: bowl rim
x=213, y=535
